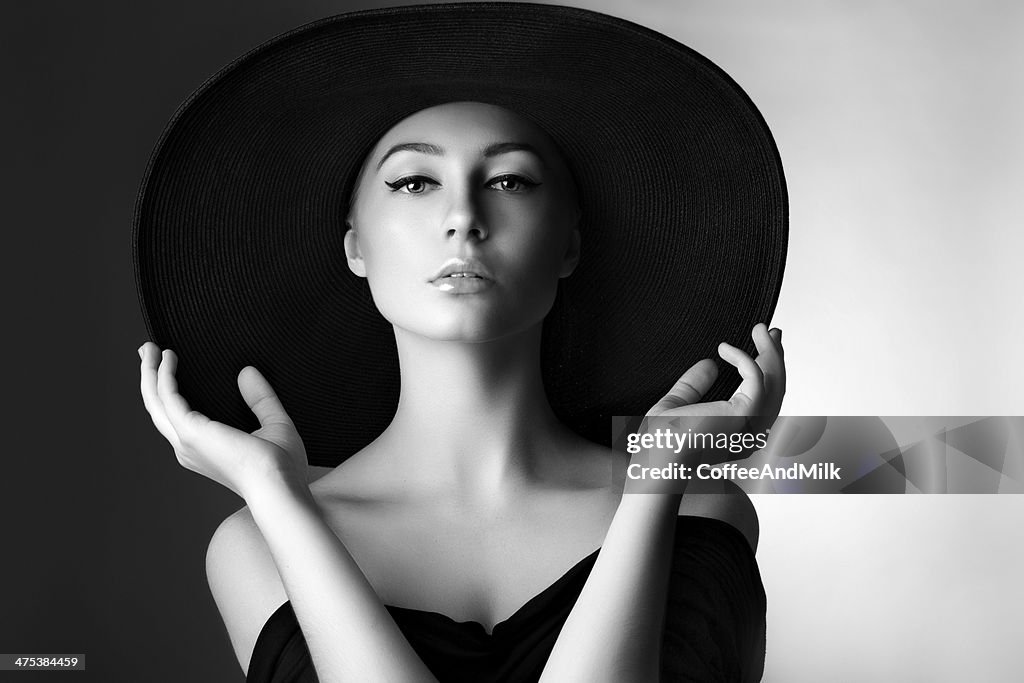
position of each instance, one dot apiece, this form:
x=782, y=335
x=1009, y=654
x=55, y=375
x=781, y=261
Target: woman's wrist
x=647, y=505
x=274, y=484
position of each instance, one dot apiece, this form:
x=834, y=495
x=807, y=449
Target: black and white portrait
x=323, y=313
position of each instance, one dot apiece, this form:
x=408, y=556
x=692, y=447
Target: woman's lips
x=462, y=283
x=462, y=276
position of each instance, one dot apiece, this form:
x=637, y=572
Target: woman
x=462, y=543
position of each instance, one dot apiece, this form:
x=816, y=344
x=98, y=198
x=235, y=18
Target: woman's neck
x=471, y=416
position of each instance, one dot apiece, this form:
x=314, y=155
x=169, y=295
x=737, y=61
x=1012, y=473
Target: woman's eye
x=414, y=184
x=512, y=183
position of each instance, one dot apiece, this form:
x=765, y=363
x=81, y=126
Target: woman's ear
x=353, y=254
x=572, y=255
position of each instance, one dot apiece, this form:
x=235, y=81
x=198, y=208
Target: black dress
x=714, y=623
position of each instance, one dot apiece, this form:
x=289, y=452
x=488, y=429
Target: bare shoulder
x=725, y=501
x=318, y=472
x=584, y=464
x=243, y=580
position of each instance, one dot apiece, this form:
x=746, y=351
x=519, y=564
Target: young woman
x=477, y=537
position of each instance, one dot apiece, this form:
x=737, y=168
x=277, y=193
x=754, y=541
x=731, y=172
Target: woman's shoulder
x=318, y=472
x=724, y=501
x=243, y=580
x=716, y=604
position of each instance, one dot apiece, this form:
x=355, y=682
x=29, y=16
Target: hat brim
x=239, y=224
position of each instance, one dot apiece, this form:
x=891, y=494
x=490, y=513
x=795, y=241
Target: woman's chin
x=469, y=329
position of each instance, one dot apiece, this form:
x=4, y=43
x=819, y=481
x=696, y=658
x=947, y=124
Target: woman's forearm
x=350, y=634
x=614, y=631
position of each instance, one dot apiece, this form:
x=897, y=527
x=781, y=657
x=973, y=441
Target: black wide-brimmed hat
x=239, y=225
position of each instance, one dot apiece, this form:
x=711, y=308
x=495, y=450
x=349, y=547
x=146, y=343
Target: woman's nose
x=464, y=220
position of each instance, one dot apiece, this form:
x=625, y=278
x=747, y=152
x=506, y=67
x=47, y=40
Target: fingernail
x=142, y=354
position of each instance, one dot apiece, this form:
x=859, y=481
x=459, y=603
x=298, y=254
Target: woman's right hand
x=229, y=456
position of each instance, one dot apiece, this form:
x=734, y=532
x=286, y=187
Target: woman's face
x=463, y=220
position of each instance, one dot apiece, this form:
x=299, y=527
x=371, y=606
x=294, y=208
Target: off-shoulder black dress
x=714, y=623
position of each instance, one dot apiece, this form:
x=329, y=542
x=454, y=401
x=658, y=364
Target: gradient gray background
x=898, y=124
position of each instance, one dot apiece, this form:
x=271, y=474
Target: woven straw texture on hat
x=239, y=223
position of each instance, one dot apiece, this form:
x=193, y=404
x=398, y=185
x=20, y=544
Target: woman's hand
x=224, y=454
x=759, y=396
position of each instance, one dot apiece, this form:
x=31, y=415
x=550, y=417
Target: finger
x=763, y=339
x=690, y=387
x=769, y=359
x=778, y=388
x=750, y=393
x=150, y=358
x=183, y=419
x=780, y=382
x=261, y=398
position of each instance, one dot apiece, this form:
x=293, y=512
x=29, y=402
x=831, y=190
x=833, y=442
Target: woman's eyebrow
x=421, y=147
x=489, y=151
x=503, y=147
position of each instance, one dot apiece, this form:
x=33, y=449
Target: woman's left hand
x=759, y=396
